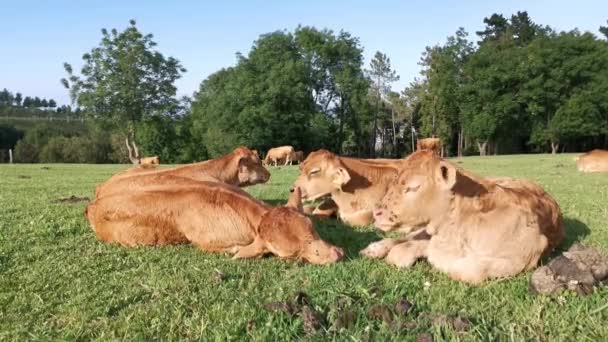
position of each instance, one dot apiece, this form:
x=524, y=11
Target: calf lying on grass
x=215, y=217
x=241, y=167
x=470, y=227
x=355, y=185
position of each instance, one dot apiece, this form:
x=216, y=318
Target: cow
x=297, y=156
x=215, y=217
x=470, y=227
x=240, y=168
x=433, y=144
x=255, y=152
x=593, y=161
x=144, y=162
x=354, y=185
x=280, y=153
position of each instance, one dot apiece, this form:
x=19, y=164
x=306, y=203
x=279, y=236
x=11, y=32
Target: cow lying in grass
x=355, y=185
x=215, y=217
x=240, y=168
x=593, y=161
x=469, y=227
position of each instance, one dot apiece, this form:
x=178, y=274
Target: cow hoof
x=378, y=249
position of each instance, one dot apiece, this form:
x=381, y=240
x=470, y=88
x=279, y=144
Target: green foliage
x=124, y=79
x=300, y=89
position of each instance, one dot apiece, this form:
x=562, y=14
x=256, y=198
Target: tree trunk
x=482, y=147
x=10, y=156
x=554, y=147
x=460, y=142
x=394, y=131
x=341, y=125
x=496, y=149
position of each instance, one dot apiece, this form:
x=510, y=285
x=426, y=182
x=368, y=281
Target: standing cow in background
x=433, y=144
x=297, y=156
x=277, y=154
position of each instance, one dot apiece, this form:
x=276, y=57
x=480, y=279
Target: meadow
x=58, y=282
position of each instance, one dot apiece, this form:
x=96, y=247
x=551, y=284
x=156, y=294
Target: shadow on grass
x=575, y=232
x=351, y=239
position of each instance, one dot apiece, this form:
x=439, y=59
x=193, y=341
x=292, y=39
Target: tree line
x=521, y=87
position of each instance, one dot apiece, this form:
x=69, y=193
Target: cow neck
x=218, y=168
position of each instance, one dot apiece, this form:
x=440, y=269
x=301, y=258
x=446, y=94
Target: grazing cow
x=280, y=153
x=136, y=160
x=355, y=185
x=215, y=217
x=593, y=161
x=240, y=168
x=433, y=144
x=469, y=227
x=297, y=156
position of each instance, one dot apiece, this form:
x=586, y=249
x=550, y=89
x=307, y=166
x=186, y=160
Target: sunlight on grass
x=58, y=281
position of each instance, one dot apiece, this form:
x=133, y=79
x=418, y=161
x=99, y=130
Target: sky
x=37, y=37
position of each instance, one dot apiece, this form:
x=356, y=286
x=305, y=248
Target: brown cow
x=433, y=144
x=297, y=156
x=277, y=154
x=215, y=217
x=471, y=228
x=355, y=185
x=593, y=161
x=240, y=167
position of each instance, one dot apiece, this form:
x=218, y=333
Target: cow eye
x=314, y=171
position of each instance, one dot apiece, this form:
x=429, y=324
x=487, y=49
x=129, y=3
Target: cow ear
x=341, y=176
x=295, y=200
x=446, y=175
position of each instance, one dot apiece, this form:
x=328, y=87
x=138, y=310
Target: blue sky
x=36, y=37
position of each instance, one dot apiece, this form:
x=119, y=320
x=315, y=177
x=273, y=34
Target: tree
x=52, y=103
x=18, y=99
x=381, y=75
x=125, y=80
x=44, y=103
x=6, y=97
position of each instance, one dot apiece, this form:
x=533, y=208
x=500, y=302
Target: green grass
x=58, y=282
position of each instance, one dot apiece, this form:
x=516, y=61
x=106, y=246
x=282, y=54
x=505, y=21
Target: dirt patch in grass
x=72, y=199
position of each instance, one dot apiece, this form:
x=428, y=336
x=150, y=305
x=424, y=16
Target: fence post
x=10, y=155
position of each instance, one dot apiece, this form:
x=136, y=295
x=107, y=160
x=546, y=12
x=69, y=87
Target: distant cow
x=593, y=161
x=470, y=227
x=277, y=154
x=215, y=217
x=433, y=144
x=297, y=156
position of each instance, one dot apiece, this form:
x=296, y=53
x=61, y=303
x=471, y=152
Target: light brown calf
x=471, y=228
x=354, y=185
x=277, y=154
x=215, y=217
x=240, y=168
x=593, y=161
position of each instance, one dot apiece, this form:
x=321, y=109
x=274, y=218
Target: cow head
x=423, y=191
x=321, y=174
x=290, y=234
x=250, y=168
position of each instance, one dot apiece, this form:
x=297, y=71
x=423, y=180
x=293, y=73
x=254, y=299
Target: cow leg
x=405, y=254
x=256, y=249
x=380, y=249
x=359, y=218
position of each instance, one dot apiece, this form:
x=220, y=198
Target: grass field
x=58, y=282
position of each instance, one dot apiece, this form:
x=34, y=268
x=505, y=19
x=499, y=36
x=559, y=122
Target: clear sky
x=36, y=37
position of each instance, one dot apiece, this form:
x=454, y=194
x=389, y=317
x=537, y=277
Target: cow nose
x=377, y=212
x=337, y=253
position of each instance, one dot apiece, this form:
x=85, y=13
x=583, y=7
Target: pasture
x=58, y=282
